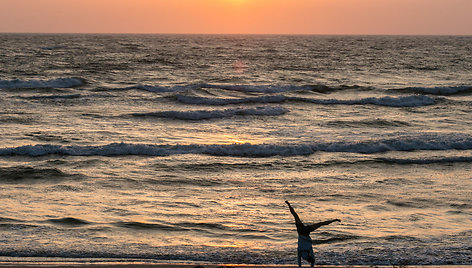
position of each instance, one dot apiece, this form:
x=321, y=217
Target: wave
x=279, y=88
x=127, y=254
x=70, y=96
x=406, y=101
x=20, y=173
x=2, y=219
x=178, y=227
x=69, y=221
x=243, y=88
x=395, y=250
x=445, y=160
x=274, y=89
x=376, y=123
x=148, y=226
x=401, y=143
x=53, y=47
x=14, y=119
x=443, y=91
x=335, y=238
x=228, y=101
x=407, y=204
x=163, y=89
x=213, y=114
x=41, y=84
x=169, y=180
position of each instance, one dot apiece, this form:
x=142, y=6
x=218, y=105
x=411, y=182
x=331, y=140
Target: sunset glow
x=238, y=16
x=235, y=133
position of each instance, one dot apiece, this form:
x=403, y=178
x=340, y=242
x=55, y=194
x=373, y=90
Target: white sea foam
x=406, y=101
x=402, y=143
x=211, y=114
x=54, y=83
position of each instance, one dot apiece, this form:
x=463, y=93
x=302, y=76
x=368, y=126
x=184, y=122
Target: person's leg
x=295, y=215
x=299, y=256
x=311, y=259
x=306, y=255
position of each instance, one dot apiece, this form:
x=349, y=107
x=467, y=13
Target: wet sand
x=169, y=265
x=135, y=265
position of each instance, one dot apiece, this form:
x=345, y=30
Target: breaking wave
x=41, y=84
x=407, y=101
x=401, y=143
x=213, y=114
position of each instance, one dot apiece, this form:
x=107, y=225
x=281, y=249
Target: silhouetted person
x=305, y=244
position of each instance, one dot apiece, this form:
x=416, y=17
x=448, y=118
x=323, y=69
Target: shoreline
x=47, y=262
x=196, y=265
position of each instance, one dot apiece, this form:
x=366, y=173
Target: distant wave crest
x=54, y=83
x=212, y=114
x=274, y=89
x=442, y=91
x=277, y=89
x=406, y=101
x=439, y=160
x=54, y=97
x=20, y=173
x=69, y=221
x=242, y=88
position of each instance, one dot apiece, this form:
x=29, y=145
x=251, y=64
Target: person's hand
x=287, y=202
x=338, y=220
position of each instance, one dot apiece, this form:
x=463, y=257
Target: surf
x=42, y=84
x=432, y=142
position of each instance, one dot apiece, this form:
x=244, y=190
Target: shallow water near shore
x=184, y=148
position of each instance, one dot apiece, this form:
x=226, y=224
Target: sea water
x=184, y=148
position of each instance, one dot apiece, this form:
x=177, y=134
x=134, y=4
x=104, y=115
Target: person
x=305, y=244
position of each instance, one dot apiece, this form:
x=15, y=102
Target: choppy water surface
x=184, y=148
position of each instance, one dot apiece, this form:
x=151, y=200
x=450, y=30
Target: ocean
x=183, y=148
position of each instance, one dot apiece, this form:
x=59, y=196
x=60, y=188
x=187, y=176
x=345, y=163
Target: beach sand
x=177, y=265
x=138, y=265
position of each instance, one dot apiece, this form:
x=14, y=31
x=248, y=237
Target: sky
x=428, y=17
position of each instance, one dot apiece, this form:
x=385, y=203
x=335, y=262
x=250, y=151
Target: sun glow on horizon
x=237, y=1
x=238, y=16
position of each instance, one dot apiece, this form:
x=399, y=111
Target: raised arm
x=295, y=215
x=323, y=223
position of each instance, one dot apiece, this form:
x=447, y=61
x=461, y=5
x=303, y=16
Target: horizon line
x=267, y=34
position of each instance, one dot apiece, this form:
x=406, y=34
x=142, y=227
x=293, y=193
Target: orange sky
x=238, y=16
